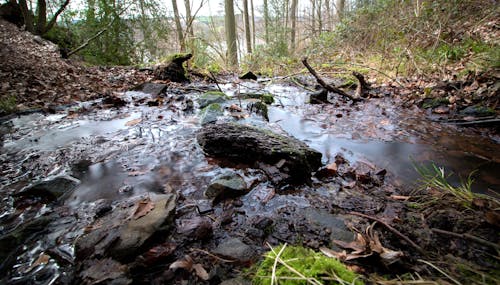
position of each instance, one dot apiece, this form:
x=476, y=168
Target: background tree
x=293, y=31
x=230, y=23
x=36, y=22
x=178, y=26
x=246, y=18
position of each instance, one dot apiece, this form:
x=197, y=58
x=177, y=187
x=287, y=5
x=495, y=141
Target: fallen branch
x=469, y=237
x=363, y=86
x=328, y=87
x=396, y=232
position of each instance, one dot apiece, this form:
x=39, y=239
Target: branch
x=469, y=237
x=396, y=232
x=54, y=18
x=321, y=82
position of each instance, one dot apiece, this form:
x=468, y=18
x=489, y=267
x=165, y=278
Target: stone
x=319, y=97
x=264, y=97
x=244, y=144
x=249, y=75
x=211, y=97
x=133, y=234
x=154, y=89
x=49, y=190
x=210, y=113
x=477, y=111
x=226, y=186
x=235, y=249
x=260, y=108
x=197, y=228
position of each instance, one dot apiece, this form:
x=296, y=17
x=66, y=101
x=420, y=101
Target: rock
x=48, y=191
x=245, y=144
x=154, y=89
x=197, y=228
x=264, y=97
x=477, y=111
x=211, y=97
x=105, y=271
x=174, y=70
x=236, y=281
x=249, y=75
x=259, y=108
x=319, y=97
x=122, y=233
x=235, y=249
x=133, y=234
x=226, y=186
x=210, y=113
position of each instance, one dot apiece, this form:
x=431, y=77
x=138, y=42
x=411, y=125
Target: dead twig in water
x=214, y=79
x=213, y=255
x=396, y=232
x=328, y=87
x=469, y=237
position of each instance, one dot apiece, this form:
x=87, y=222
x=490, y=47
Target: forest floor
x=426, y=236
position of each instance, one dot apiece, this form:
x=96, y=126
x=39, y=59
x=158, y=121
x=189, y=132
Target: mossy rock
x=434, y=102
x=309, y=263
x=259, y=107
x=210, y=113
x=265, y=97
x=212, y=97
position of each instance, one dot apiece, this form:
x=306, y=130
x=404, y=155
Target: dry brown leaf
x=185, y=263
x=133, y=122
x=143, y=207
x=201, y=272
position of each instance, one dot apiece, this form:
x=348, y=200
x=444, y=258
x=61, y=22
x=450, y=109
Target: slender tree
x=178, y=26
x=266, y=20
x=230, y=23
x=253, y=23
x=39, y=24
x=293, y=31
x=246, y=18
x=340, y=9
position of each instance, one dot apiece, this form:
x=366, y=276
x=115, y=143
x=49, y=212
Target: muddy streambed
x=110, y=158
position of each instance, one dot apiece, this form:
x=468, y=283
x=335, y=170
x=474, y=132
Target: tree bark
x=178, y=26
x=53, y=21
x=293, y=31
x=248, y=36
x=340, y=9
x=253, y=24
x=27, y=15
x=313, y=19
x=230, y=23
x=266, y=21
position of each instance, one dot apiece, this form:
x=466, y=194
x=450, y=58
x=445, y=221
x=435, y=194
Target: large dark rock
x=245, y=144
x=152, y=88
x=174, y=70
x=47, y=191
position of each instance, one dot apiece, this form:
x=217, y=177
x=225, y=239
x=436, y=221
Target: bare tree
x=293, y=31
x=41, y=26
x=230, y=23
x=340, y=9
x=246, y=18
x=266, y=20
x=178, y=26
x=253, y=23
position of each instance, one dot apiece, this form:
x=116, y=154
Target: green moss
x=8, y=104
x=210, y=113
x=265, y=97
x=434, y=102
x=211, y=97
x=309, y=263
x=214, y=93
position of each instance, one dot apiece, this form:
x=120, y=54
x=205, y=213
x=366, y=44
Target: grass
x=8, y=104
x=290, y=265
x=436, y=178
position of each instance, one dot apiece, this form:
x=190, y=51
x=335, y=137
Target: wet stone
x=319, y=97
x=49, y=190
x=236, y=281
x=212, y=97
x=197, y=228
x=154, y=89
x=210, y=113
x=226, y=186
x=235, y=249
x=245, y=144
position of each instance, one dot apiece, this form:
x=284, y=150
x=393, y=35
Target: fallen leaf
x=200, y=271
x=133, y=122
x=143, y=207
x=186, y=263
x=400, y=198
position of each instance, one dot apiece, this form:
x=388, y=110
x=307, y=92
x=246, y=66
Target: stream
x=114, y=155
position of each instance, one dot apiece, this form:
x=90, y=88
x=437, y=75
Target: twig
x=321, y=82
x=396, y=232
x=273, y=275
x=214, y=256
x=440, y=271
x=469, y=237
x=215, y=80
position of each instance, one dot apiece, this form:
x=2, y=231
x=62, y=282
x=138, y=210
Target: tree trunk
x=313, y=14
x=320, y=18
x=230, y=22
x=178, y=26
x=27, y=15
x=293, y=31
x=246, y=18
x=266, y=21
x=253, y=24
x=189, y=26
x=340, y=9
x=41, y=17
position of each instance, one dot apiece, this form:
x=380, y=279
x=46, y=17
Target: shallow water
x=141, y=150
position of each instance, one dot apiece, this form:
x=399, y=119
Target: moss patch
x=307, y=262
